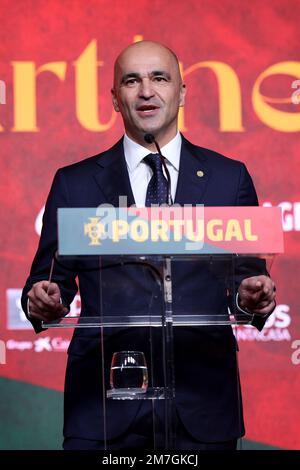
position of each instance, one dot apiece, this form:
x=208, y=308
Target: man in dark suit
x=148, y=92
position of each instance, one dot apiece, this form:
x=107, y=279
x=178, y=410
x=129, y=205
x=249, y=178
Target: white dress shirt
x=140, y=173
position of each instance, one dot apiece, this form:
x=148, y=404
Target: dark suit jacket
x=207, y=383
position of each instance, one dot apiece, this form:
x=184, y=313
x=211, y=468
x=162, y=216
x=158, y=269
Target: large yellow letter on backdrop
x=24, y=74
x=86, y=90
x=230, y=106
x=276, y=119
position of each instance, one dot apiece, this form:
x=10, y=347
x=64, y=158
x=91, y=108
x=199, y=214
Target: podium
x=171, y=295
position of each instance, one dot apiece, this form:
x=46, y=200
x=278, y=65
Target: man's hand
x=44, y=301
x=257, y=294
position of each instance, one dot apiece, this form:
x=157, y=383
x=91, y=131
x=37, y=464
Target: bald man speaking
x=148, y=91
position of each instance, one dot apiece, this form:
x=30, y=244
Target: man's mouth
x=147, y=109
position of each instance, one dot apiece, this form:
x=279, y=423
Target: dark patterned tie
x=157, y=191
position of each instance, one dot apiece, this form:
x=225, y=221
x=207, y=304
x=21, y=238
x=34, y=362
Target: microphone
x=150, y=139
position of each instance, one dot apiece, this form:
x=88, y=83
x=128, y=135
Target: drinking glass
x=128, y=372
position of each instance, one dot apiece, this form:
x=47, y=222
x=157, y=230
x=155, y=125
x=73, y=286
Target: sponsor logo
x=275, y=329
x=44, y=344
x=290, y=212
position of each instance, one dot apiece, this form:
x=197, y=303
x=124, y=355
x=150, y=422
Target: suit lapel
x=113, y=178
x=193, y=175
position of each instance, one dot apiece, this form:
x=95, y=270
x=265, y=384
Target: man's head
x=148, y=91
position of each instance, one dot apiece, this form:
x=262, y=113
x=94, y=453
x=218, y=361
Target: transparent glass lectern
x=164, y=329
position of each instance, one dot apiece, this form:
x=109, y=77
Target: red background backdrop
x=247, y=38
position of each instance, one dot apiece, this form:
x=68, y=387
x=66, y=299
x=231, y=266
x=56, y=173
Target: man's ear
x=182, y=94
x=115, y=101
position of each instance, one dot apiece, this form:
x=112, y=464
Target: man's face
x=148, y=92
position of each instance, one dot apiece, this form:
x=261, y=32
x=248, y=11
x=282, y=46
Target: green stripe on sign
x=31, y=417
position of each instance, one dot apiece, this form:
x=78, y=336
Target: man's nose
x=146, y=90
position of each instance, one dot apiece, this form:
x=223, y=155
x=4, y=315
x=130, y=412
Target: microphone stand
x=167, y=326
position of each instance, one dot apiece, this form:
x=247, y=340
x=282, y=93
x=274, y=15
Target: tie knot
x=153, y=160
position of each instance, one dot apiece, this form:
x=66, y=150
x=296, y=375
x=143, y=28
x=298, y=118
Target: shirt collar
x=134, y=152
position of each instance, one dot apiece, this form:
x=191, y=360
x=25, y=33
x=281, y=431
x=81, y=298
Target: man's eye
x=130, y=81
x=160, y=79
